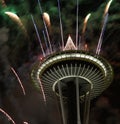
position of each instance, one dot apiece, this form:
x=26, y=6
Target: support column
x=78, y=101
x=87, y=107
x=61, y=102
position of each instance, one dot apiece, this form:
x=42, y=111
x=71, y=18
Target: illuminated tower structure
x=76, y=76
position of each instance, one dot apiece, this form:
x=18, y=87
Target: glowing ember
x=85, y=22
x=17, y=20
x=14, y=17
x=107, y=7
x=86, y=47
x=46, y=18
x=46, y=30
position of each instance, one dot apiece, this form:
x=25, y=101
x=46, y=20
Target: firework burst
x=48, y=52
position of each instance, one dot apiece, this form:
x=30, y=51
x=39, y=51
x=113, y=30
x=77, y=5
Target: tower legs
x=78, y=101
x=74, y=112
x=61, y=103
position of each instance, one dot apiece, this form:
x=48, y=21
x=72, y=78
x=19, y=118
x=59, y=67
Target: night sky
x=20, y=49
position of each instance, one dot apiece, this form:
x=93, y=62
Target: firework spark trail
x=85, y=23
x=16, y=19
x=18, y=80
x=45, y=40
x=38, y=35
x=107, y=7
x=40, y=7
x=84, y=29
x=61, y=27
x=101, y=35
x=105, y=19
x=42, y=89
x=8, y=116
x=77, y=10
x=46, y=30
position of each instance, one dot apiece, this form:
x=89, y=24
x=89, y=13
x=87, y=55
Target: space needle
x=75, y=76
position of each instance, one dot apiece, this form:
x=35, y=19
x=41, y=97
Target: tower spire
x=70, y=45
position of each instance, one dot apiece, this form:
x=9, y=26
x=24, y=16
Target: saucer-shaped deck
x=91, y=71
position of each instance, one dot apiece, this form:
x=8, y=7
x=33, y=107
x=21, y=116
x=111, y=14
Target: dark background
x=21, y=51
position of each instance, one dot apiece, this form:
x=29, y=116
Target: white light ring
x=53, y=87
x=75, y=55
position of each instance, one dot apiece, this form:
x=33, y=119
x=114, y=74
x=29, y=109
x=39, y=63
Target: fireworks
x=56, y=73
x=17, y=20
x=105, y=18
x=46, y=18
x=61, y=27
x=8, y=116
x=70, y=45
x=18, y=80
x=107, y=7
x=46, y=29
x=85, y=23
x=38, y=36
